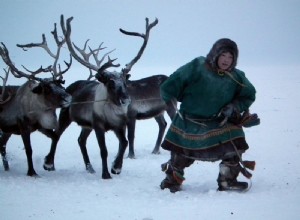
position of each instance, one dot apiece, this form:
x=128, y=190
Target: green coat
x=203, y=93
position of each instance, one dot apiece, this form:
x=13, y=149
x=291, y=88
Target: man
x=208, y=126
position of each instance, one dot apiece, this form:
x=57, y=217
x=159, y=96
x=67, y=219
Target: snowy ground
x=72, y=193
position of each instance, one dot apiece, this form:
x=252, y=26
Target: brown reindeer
x=99, y=106
x=147, y=103
x=31, y=106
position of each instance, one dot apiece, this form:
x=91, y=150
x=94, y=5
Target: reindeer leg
x=117, y=164
x=85, y=132
x=25, y=134
x=51, y=134
x=4, y=137
x=130, y=136
x=103, y=151
x=63, y=123
x=162, y=124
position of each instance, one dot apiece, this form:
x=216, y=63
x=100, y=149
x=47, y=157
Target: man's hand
x=228, y=110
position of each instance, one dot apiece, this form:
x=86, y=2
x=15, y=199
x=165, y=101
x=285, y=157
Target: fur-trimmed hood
x=219, y=47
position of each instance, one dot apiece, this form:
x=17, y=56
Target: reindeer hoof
x=131, y=156
x=155, y=152
x=32, y=174
x=106, y=176
x=90, y=168
x=116, y=170
x=49, y=167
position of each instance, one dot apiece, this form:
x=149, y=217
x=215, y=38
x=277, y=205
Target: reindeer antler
x=66, y=29
x=14, y=70
x=145, y=36
x=55, y=68
x=95, y=53
x=4, y=79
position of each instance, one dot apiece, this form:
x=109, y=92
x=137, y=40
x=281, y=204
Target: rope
x=195, y=122
x=189, y=119
x=102, y=100
x=85, y=102
x=221, y=73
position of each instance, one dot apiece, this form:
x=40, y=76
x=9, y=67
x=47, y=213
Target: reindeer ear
x=37, y=88
x=101, y=77
x=128, y=76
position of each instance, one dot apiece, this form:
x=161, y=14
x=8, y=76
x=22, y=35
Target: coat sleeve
x=174, y=86
x=246, y=95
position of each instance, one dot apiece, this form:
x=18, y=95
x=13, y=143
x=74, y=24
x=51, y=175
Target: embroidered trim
x=207, y=135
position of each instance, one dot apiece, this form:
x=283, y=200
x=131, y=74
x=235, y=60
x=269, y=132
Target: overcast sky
x=267, y=32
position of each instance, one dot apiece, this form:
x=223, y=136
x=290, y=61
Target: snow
x=186, y=29
x=72, y=193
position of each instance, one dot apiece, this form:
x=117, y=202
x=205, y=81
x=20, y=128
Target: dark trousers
x=229, y=168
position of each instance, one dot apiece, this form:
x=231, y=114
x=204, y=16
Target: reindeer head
x=52, y=92
x=49, y=90
x=116, y=85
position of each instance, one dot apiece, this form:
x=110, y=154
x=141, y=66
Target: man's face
x=225, y=61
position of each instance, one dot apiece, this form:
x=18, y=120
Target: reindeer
x=99, y=106
x=31, y=106
x=146, y=103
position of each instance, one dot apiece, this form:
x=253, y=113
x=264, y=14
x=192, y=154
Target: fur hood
x=219, y=47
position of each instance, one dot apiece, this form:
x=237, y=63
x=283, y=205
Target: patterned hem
x=213, y=153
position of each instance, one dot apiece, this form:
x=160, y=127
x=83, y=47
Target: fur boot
x=227, y=180
x=174, y=177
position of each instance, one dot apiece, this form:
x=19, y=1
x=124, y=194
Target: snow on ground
x=72, y=193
